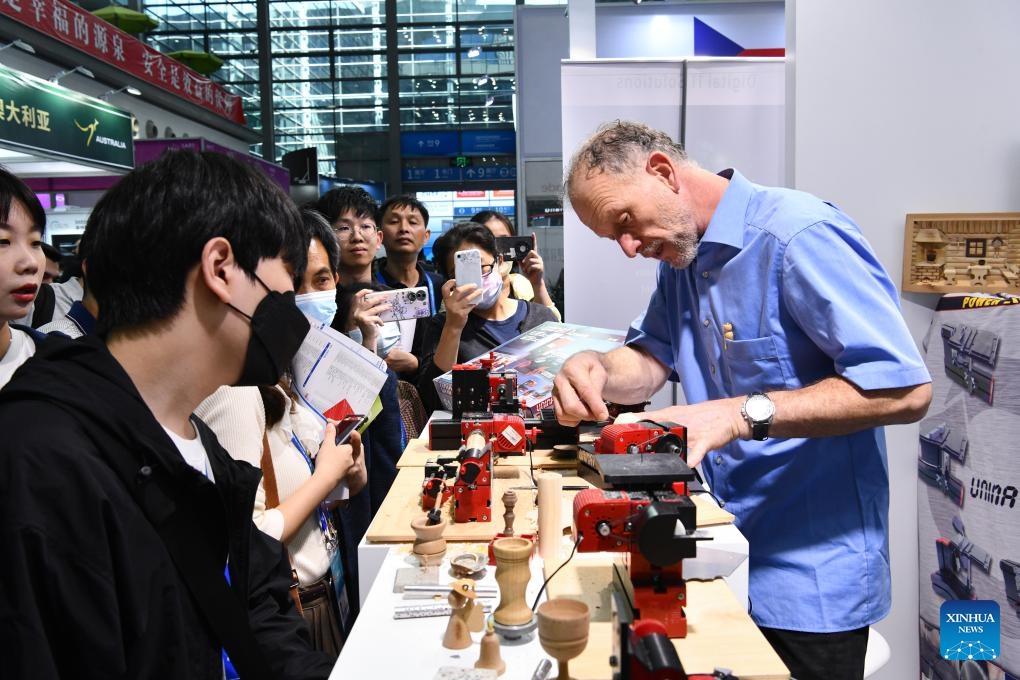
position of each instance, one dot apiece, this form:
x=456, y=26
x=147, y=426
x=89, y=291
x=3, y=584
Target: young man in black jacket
x=129, y=549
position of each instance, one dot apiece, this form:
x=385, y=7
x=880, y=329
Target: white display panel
x=736, y=117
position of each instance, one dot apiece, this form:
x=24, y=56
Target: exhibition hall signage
x=98, y=38
x=39, y=116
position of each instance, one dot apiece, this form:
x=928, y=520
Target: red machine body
x=642, y=437
x=435, y=491
x=506, y=432
x=481, y=436
x=472, y=489
x=656, y=529
x=477, y=387
x=650, y=655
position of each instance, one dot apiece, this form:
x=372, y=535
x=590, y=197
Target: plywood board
x=392, y=524
x=720, y=634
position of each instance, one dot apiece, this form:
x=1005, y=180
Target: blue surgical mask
x=319, y=307
x=389, y=335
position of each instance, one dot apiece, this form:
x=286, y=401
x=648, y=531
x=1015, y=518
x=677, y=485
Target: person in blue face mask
x=474, y=320
x=316, y=294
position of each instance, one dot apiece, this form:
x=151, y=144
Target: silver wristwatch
x=758, y=410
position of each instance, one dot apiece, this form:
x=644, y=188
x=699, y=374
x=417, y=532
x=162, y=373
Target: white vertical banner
x=735, y=117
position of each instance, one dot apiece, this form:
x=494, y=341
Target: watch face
x=759, y=408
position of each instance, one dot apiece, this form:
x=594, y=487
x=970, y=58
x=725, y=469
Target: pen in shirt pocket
x=727, y=331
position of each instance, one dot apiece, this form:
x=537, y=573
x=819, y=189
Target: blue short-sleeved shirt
x=807, y=299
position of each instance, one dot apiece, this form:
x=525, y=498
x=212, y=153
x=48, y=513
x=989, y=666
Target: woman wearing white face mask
x=475, y=320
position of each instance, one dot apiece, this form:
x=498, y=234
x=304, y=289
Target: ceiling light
x=134, y=91
x=20, y=44
x=474, y=52
x=55, y=78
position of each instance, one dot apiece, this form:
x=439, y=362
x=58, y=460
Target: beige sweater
x=237, y=416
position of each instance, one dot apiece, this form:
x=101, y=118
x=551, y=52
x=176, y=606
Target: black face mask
x=277, y=330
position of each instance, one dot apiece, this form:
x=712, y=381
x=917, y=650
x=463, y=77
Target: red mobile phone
x=345, y=426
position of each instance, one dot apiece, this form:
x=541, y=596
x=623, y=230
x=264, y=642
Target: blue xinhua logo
x=969, y=629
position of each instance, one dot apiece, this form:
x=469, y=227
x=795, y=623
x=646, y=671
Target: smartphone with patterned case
x=405, y=303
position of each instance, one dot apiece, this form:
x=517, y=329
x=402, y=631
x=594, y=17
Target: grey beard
x=686, y=248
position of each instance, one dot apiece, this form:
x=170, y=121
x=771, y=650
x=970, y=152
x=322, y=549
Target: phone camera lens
x=420, y=295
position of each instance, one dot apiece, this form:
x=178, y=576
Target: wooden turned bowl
x=563, y=627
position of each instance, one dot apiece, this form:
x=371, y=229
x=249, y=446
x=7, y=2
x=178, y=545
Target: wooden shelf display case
x=962, y=253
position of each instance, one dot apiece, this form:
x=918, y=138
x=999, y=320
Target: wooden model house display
x=962, y=252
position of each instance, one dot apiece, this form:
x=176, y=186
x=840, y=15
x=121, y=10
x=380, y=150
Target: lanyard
x=229, y=672
x=328, y=535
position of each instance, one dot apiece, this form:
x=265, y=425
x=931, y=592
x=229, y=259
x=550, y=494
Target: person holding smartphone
x=529, y=284
x=308, y=467
x=475, y=319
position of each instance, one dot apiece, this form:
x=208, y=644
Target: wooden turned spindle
x=509, y=501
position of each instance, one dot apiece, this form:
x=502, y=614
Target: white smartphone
x=468, y=267
x=405, y=303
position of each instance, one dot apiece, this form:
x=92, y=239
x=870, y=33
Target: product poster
x=968, y=462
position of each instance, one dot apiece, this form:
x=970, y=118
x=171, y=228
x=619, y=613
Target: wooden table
x=720, y=634
x=392, y=524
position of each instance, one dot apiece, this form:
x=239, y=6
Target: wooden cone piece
x=490, y=657
x=465, y=617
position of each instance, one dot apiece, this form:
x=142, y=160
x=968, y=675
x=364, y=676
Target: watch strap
x=760, y=431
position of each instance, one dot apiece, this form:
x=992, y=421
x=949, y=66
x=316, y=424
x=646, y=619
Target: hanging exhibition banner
x=97, y=38
x=39, y=116
x=967, y=491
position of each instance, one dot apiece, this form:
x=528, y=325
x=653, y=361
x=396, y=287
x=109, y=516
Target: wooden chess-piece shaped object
x=429, y=544
x=490, y=657
x=563, y=630
x=466, y=616
x=512, y=574
x=509, y=501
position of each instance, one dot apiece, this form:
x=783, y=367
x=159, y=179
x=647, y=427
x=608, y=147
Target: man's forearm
x=633, y=375
x=834, y=406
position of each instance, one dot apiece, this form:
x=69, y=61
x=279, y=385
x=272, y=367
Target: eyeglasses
x=344, y=231
x=486, y=269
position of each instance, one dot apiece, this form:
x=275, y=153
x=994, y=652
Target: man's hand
x=401, y=361
x=459, y=301
x=710, y=425
x=533, y=267
x=577, y=389
x=366, y=314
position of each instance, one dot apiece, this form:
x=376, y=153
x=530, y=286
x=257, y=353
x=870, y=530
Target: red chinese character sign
x=80, y=29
